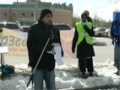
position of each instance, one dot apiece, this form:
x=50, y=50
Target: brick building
x=30, y=10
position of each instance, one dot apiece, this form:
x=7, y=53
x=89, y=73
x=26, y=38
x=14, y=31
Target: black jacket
x=37, y=38
x=83, y=49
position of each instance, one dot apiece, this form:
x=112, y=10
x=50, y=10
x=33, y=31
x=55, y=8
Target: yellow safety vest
x=83, y=34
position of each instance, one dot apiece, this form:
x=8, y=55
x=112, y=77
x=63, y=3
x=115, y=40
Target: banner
x=66, y=39
x=16, y=42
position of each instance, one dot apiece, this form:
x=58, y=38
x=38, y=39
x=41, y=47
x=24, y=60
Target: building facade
x=30, y=10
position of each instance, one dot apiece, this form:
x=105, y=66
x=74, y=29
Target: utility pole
x=17, y=11
x=10, y=19
x=36, y=9
x=0, y=13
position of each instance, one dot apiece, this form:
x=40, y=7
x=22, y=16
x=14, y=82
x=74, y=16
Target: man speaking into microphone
x=38, y=35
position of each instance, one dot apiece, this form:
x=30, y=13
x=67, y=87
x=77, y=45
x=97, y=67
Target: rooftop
x=26, y=5
x=31, y=4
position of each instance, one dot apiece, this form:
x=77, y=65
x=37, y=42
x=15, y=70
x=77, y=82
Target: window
x=5, y=14
x=32, y=14
x=63, y=27
x=27, y=23
x=56, y=6
x=70, y=9
x=14, y=14
x=12, y=26
x=23, y=14
x=1, y=25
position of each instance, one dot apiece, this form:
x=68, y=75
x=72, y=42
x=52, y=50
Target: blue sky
x=103, y=8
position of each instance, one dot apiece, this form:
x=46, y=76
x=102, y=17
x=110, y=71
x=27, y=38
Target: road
x=102, y=54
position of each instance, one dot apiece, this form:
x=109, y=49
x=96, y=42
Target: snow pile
x=67, y=76
x=109, y=89
x=15, y=83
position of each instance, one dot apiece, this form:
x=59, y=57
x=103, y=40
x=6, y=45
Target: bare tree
x=75, y=19
x=99, y=22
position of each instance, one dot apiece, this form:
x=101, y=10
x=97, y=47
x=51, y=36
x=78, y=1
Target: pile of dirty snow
x=67, y=76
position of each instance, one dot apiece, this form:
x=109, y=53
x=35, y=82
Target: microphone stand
x=31, y=77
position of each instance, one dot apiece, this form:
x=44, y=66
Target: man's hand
x=85, y=27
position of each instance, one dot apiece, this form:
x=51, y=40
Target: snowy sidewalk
x=67, y=76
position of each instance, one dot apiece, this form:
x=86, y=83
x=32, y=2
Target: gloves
x=85, y=27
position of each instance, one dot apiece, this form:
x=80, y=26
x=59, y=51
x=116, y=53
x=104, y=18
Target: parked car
x=62, y=26
x=99, y=32
x=26, y=28
x=107, y=33
x=11, y=25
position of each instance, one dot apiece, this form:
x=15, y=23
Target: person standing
x=37, y=38
x=115, y=33
x=83, y=38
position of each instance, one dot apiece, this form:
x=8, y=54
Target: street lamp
x=0, y=11
x=36, y=9
x=17, y=11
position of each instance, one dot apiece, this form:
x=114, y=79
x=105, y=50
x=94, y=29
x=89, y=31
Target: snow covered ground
x=67, y=76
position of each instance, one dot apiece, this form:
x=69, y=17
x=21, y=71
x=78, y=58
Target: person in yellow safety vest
x=85, y=51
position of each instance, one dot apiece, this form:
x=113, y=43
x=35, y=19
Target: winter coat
x=83, y=49
x=115, y=29
x=37, y=38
